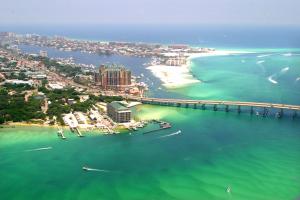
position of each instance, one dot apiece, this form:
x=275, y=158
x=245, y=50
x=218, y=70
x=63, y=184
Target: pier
x=60, y=133
x=227, y=106
x=77, y=131
x=163, y=125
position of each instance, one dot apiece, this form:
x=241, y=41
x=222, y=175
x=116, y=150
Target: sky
x=254, y=12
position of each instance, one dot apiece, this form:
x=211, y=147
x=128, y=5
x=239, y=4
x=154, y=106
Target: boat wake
x=172, y=134
x=277, y=75
x=270, y=78
x=39, y=149
x=95, y=170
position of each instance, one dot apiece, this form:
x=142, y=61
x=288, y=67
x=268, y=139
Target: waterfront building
x=43, y=53
x=176, y=61
x=113, y=77
x=118, y=112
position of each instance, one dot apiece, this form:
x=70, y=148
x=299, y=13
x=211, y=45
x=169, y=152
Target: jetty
x=239, y=106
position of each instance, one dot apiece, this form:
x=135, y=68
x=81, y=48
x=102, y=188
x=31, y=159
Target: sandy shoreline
x=180, y=76
x=25, y=124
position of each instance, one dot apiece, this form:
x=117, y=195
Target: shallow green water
x=260, y=161
x=259, y=158
x=248, y=77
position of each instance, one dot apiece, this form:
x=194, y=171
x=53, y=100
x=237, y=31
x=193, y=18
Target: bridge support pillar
x=239, y=109
x=294, y=114
x=186, y=105
x=203, y=106
x=227, y=108
x=281, y=112
x=178, y=105
x=251, y=110
x=195, y=106
x=215, y=107
x=265, y=112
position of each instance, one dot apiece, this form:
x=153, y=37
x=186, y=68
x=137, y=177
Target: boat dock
x=77, y=131
x=163, y=125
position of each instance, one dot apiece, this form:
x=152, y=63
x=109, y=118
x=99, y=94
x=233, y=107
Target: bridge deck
x=213, y=102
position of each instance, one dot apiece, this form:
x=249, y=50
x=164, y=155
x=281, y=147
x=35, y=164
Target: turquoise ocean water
x=258, y=158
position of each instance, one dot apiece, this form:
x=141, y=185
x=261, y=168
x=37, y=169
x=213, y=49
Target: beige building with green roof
x=118, y=112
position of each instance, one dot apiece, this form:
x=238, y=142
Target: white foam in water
x=176, y=133
x=287, y=54
x=39, y=149
x=285, y=70
x=260, y=62
x=282, y=71
x=297, y=79
x=265, y=55
x=243, y=61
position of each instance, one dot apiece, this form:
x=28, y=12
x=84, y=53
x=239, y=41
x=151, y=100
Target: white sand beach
x=180, y=76
x=173, y=76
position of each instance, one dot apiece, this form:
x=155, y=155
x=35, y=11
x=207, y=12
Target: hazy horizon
x=151, y=12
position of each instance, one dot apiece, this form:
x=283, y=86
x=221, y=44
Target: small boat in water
x=85, y=168
x=228, y=189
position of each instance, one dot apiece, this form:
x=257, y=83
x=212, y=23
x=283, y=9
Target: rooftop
x=114, y=67
x=118, y=106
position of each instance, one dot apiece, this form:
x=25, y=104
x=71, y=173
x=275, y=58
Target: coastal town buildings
x=176, y=61
x=19, y=82
x=118, y=112
x=56, y=86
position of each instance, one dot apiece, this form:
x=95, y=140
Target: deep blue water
x=198, y=35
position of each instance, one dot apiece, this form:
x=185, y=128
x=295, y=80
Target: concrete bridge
x=264, y=108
